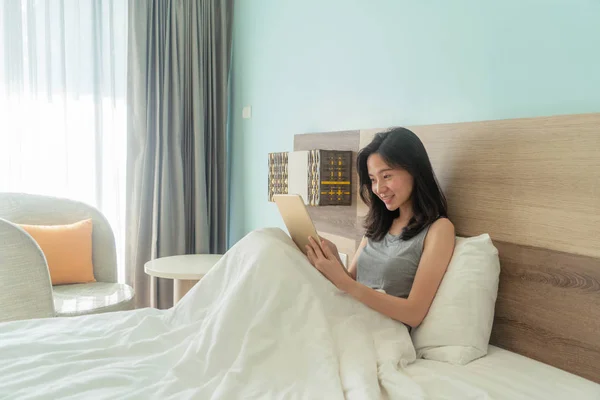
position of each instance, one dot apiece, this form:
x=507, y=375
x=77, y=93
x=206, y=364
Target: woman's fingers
x=328, y=251
x=312, y=258
x=330, y=244
x=310, y=254
x=316, y=248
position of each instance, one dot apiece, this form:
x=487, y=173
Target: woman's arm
x=437, y=252
x=354, y=264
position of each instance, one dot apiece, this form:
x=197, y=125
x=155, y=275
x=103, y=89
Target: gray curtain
x=178, y=65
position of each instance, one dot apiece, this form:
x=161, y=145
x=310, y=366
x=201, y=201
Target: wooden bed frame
x=533, y=185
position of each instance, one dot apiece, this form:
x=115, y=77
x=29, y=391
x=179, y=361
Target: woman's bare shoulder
x=442, y=228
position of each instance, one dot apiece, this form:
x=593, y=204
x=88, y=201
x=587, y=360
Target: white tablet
x=296, y=219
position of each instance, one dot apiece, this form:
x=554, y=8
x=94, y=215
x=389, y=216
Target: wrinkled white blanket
x=262, y=324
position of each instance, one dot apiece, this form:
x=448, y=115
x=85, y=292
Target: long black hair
x=401, y=148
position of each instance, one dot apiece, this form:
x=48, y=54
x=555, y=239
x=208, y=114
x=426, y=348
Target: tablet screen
x=297, y=219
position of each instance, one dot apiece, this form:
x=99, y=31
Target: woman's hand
x=327, y=262
x=332, y=247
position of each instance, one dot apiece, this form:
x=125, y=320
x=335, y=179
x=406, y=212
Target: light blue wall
x=323, y=65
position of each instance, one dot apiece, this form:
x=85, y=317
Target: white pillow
x=458, y=325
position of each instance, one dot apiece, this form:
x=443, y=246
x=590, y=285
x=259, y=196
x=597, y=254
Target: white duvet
x=262, y=324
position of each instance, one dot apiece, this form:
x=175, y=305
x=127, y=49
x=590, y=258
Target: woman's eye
x=387, y=176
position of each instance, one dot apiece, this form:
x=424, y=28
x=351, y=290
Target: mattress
x=500, y=375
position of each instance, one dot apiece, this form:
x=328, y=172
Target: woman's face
x=392, y=185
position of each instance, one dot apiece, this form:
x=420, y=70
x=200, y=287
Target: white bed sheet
x=501, y=375
x=261, y=324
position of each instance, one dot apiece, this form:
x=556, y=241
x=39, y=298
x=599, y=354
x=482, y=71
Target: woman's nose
x=377, y=188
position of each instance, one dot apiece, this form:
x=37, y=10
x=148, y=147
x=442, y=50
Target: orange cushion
x=68, y=250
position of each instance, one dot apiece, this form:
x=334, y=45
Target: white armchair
x=25, y=287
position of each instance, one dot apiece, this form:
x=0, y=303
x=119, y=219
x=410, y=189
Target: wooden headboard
x=534, y=185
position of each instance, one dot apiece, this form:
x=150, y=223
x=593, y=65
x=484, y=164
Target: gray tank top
x=391, y=264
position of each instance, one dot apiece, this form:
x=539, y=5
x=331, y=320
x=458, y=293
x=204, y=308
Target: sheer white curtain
x=62, y=102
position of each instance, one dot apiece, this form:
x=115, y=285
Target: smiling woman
x=392, y=185
x=409, y=240
x=398, y=184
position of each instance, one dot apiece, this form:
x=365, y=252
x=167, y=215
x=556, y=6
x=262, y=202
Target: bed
x=532, y=184
x=501, y=374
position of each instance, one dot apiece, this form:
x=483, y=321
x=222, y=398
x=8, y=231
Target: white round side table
x=185, y=270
